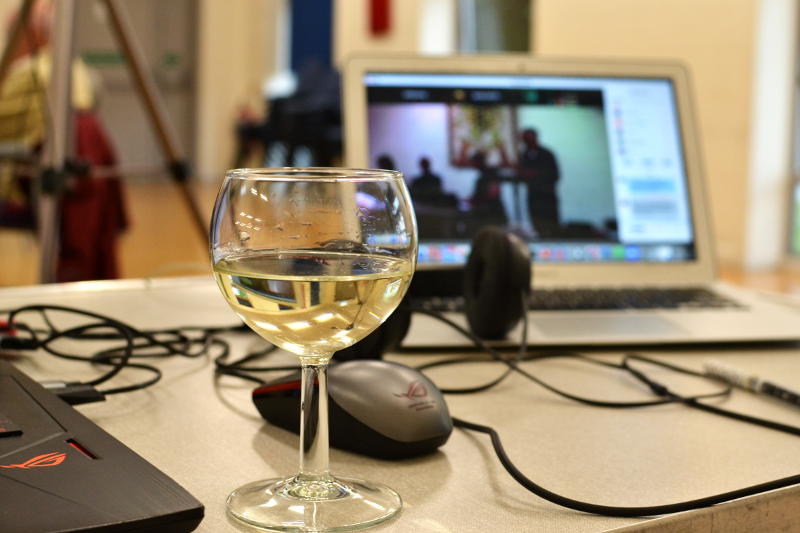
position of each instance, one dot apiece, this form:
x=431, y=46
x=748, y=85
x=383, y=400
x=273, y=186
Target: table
x=206, y=434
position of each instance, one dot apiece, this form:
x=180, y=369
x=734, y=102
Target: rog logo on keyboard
x=47, y=459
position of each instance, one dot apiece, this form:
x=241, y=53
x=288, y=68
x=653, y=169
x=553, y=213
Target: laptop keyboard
x=602, y=299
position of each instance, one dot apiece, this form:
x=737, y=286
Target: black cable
x=117, y=366
x=513, y=366
x=188, y=342
x=467, y=390
x=662, y=390
x=179, y=343
x=667, y=396
x=657, y=388
x=149, y=336
x=237, y=368
x=124, y=330
x=608, y=510
x=140, y=385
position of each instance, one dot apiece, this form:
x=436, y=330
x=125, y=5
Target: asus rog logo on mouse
x=47, y=459
x=382, y=409
x=418, y=394
x=415, y=390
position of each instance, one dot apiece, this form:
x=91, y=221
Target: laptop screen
x=585, y=169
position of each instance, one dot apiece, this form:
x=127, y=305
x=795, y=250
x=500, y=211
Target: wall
x=426, y=26
x=161, y=30
x=715, y=38
x=236, y=51
x=770, y=171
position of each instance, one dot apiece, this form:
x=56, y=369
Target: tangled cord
x=239, y=368
x=190, y=342
x=666, y=396
x=627, y=365
x=196, y=342
x=657, y=388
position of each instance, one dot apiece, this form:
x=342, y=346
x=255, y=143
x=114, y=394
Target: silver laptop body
x=630, y=210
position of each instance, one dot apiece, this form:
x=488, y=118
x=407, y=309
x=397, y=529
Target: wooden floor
x=161, y=239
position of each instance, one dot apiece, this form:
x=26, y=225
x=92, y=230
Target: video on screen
x=540, y=168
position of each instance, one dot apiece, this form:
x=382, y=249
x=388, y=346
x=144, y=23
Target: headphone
x=497, y=273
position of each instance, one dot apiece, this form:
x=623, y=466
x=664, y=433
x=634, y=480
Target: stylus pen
x=750, y=382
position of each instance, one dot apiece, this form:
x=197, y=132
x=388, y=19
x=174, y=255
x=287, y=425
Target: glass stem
x=314, y=423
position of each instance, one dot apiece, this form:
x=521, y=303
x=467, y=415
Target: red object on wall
x=380, y=20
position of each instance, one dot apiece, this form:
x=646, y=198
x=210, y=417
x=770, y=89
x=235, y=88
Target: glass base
x=333, y=504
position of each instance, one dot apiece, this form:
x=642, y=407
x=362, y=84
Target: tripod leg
x=57, y=142
x=178, y=168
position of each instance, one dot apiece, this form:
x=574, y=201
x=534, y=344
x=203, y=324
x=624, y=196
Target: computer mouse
x=376, y=408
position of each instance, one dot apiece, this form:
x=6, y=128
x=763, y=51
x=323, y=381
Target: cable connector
x=74, y=392
x=11, y=342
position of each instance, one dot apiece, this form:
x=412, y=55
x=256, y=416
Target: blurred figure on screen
x=427, y=187
x=385, y=162
x=427, y=184
x=487, y=205
x=538, y=169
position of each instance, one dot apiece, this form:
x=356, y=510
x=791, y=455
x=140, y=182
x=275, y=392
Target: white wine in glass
x=313, y=260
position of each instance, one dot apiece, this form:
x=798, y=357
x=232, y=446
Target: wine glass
x=313, y=260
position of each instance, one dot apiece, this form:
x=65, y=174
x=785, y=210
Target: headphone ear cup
x=388, y=336
x=497, y=275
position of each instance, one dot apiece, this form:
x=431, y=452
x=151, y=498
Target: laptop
x=595, y=163
x=61, y=472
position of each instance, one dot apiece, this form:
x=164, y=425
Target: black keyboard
x=603, y=299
